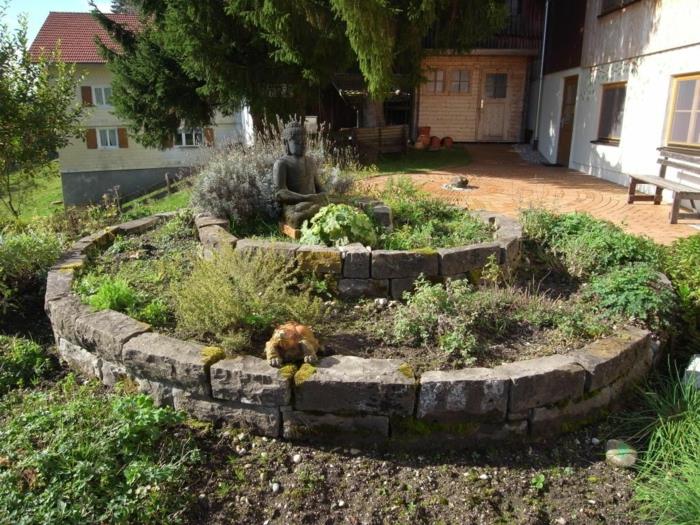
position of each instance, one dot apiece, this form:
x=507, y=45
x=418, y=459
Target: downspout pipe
x=536, y=141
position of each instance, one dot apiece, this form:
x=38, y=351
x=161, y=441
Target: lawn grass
x=152, y=203
x=422, y=161
x=38, y=201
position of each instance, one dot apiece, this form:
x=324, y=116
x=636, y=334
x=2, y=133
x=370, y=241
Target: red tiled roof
x=76, y=33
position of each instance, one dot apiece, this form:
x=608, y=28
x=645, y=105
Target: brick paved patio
x=503, y=182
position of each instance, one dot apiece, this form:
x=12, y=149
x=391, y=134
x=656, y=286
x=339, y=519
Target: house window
x=436, y=81
x=460, y=81
x=108, y=138
x=612, y=110
x=102, y=95
x=496, y=85
x=608, y=6
x=189, y=137
x=684, y=126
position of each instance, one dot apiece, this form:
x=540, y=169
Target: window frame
x=183, y=132
x=100, y=145
x=622, y=4
x=460, y=81
x=670, y=112
x=431, y=84
x=102, y=92
x=610, y=139
x=506, y=86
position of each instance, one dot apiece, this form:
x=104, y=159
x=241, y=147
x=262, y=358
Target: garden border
x=343, y=398
x=358, y=271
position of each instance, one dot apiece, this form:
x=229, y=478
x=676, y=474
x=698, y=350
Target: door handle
x=481, y=105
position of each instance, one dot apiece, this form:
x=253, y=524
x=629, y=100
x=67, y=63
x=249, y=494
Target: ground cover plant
x=72, y=454
x=22, y=363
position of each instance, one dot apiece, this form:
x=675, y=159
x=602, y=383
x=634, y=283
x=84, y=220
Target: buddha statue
x=295, y=177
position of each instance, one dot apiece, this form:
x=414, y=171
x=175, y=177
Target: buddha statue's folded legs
x=295, y=214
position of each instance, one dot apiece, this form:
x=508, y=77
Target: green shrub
x=338, y=225
x=155, y=312
x=682, y=265
x=668, y=485
x=634, y=291
x=25, y=258
x=113, y=294
x=73, y=455
x=588, y=246
x=22, y=362
x=241, y=291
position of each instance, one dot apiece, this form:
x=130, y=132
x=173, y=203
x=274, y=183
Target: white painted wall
x=76, y=157
x=645, y=45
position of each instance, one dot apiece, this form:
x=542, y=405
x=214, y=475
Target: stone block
x=393, y=264
x=261, y=420
x=383, y=216
x=329, y=427
x=64, y=313
x=161, y=393
x=510, y=251
x=106, y=332
x=459, y=394
x=203, y=220
x=399, y=286
x=463, y=259
x=250, y=380
x=636, y=374
x=112, y=373
x=550, y=421
x=73, y=259
x=543, y=381
x=356, y=288
x=283, y=249
x=137, y=226
x=356, y=261
x=469, y=433
x=353, y=385
x=58, y=284
x=216, y=237
x=319, y=259
x=79, y=359
x=692, y=373
x=165, y=359
x=100, y=239
x=609, y=358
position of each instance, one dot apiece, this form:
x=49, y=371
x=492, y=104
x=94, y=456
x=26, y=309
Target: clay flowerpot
x=447, y=142
x=423, y=139
x=419, y=145
x=424, y=130
x=434, y=143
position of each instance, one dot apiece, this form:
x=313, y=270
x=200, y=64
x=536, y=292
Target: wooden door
x=566, y=124
x=494, y=107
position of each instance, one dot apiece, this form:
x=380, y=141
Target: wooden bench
x=669, y=159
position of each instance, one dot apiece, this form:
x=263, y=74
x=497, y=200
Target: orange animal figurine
x=292, y=342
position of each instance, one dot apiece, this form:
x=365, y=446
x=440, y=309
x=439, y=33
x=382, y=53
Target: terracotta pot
x=424, y=130
x=419, y=145
x=447, y=142
x=434, y=143
x=423, y=139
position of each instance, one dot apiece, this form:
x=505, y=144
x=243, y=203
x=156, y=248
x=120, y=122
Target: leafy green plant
x=634, y=291
x=338, y=225
x=111, y=293
x=73, y=455
x=155, y=312
x=682, y=265
x=22, y=362
x=238, y=291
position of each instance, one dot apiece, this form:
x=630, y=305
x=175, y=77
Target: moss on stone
x=407, y=370
x=212, y=354
x=425, y=251
x=408, y=427
x=288, y=371
x=305, y=372
x=474, y=276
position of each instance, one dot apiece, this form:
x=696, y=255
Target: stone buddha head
x=294, y=136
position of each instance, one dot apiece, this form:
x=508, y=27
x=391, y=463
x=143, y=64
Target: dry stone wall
x=343, y=398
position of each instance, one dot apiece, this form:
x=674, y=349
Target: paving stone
x=459, y=394
x=549, y=421
x=319, y=259
x=543, y=381
x=250, y=380
x=351, y=385
x=204, y=220
x=692, y=373
x=609, y=358
x=284, y=249
x=356, y=261
x=356, y=288
x=64, y=313
x=79, y=359
x=100, y=239
x=165, y=359
x=59, y=284
x=300, y=425
x=106, y=332
x=261, y=420
x=463, y=259
x=393, y=264
x=137, y=226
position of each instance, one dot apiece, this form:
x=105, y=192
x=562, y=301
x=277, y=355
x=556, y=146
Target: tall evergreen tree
x=191, y=59
x=122, y=6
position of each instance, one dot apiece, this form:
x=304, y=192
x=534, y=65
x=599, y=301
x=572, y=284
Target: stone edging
x=343, y=398
x=362, y=272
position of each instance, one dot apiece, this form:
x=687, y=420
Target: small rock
x=275, y=487
x=202, y=496
x=241, y=436
x=341, y=503
x=381, y=303
x=296, y=458
x=354, y=451
x=620, y=454
x=560, y=521
x=595, y=441
x=393, y=304
x=484, y=476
